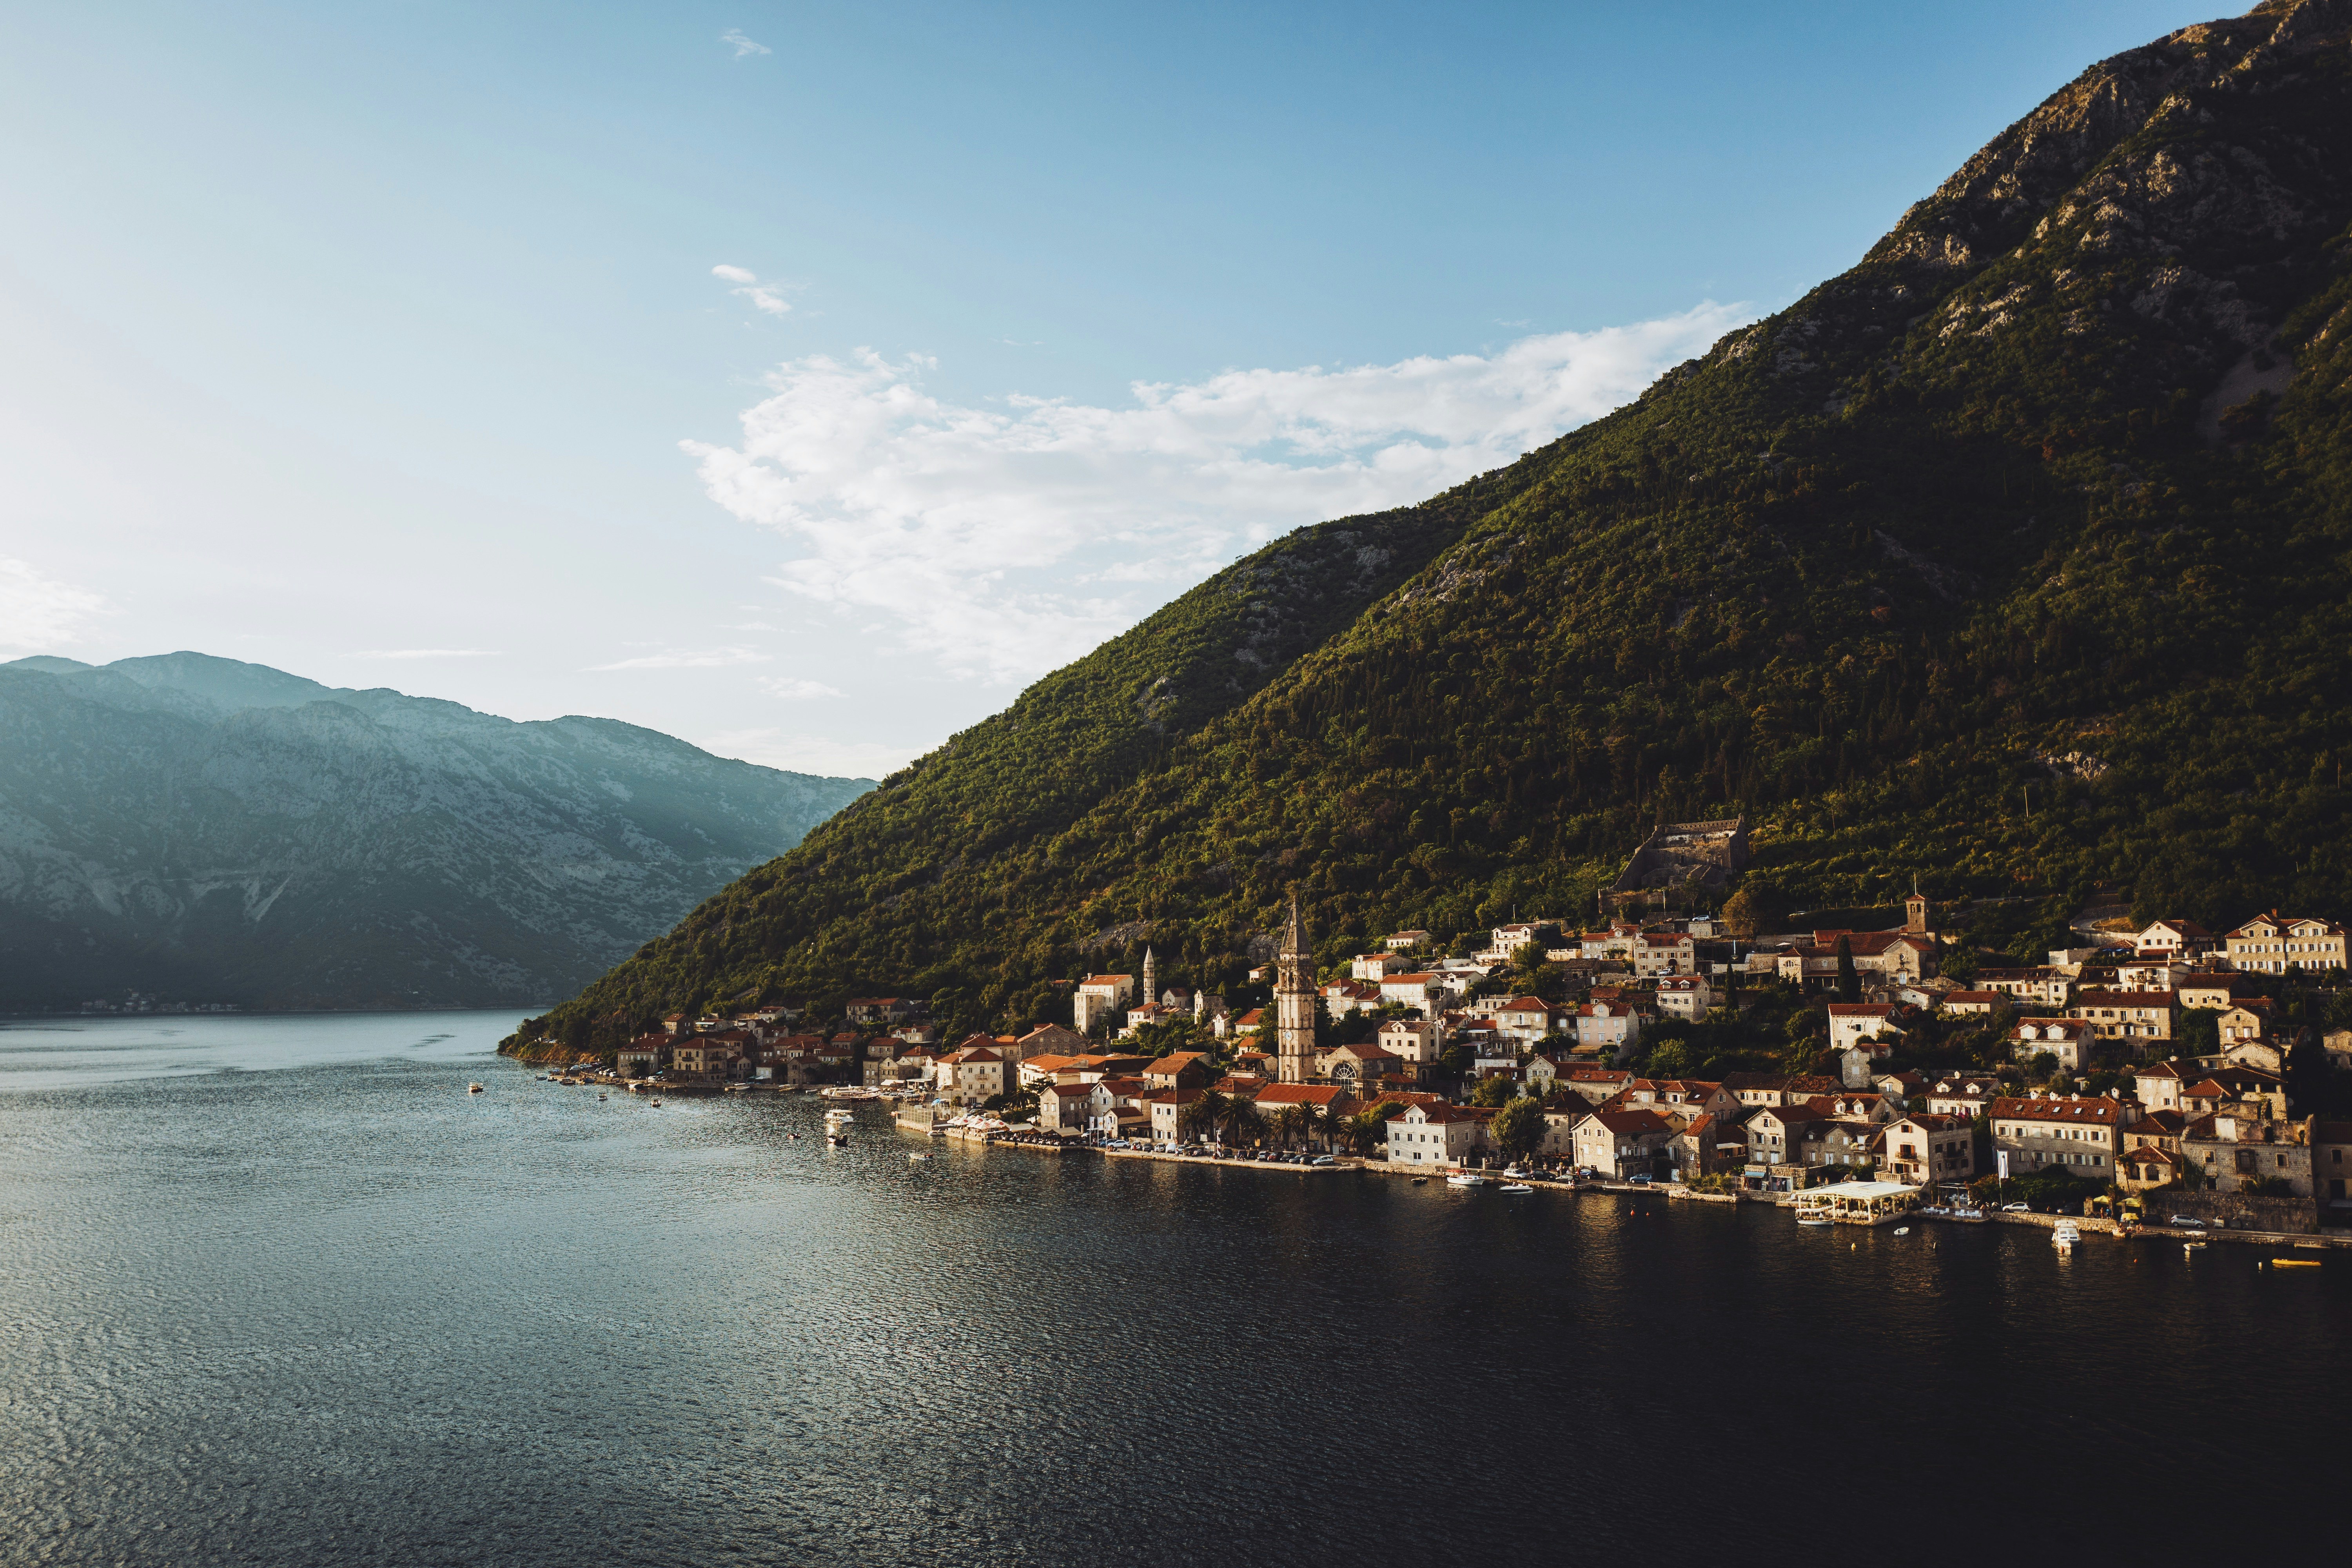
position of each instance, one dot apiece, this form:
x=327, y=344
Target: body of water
x=280, y=1292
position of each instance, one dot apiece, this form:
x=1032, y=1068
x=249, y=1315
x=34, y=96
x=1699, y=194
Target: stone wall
x=2292, y=1217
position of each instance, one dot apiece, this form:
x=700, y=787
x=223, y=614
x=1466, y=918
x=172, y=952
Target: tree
x=1517, y=1129
x=1739, y=915
x=1243, y=1121
x=1289, y=1124
x=1492, y=1092
x=1201, y=1117
x=2200, y=1033
x=2307, y=1072
x=1849, y=983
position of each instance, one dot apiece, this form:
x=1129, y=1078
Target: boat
x=1902, y=1230
x=1815, y=1219
x=2064, y=1234
x=836, y=1139
x=1421, y=1180
x=604, y=1097
x=2192, y=1247
x=1466, y=1179
x=473, y=1089
x=1516, y=1187
x=656, y=1102
x=2295, y=1263
x=914, y=1157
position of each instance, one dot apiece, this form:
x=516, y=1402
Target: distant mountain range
x=2015, y=560
x=199, y=830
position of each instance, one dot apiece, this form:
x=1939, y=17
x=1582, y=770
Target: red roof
x=2070, y=1109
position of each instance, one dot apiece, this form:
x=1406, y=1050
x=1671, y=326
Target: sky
x=802, y=380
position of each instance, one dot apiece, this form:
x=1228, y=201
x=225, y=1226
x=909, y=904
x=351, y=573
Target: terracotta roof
x=1861, y=1009
x=2069, y=1108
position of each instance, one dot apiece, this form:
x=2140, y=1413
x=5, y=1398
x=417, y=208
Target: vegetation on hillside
x=2012, y=562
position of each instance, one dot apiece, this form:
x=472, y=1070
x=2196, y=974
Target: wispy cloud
x=686, y=658
x=1005, y=540
x=733, y=37
x=38, y=612
x=763, y=296
x=796, y=753
x=426, y=653
x=794, y=688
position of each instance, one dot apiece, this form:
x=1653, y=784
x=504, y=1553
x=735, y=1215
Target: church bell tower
x=1293, y=1004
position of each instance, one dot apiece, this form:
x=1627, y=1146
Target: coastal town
x=2145, y=1077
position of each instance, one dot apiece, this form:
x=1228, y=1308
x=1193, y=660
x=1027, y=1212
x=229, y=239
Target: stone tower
x=1150, y=997
x=1293, y=1004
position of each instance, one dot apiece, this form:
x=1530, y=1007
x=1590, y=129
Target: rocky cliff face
x=202, y=830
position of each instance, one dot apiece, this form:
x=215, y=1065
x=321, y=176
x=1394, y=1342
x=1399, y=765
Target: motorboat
x=1516, y=1187
x=473, y=1089
x=2064, y=1234
x=1421, y=1180
x=2192, y=1247
x=1811, y=1219
x=604, y=1097
x=657, y=1103
x=1902, y=1230
x=2295, y=1263
x=1466, y=1179
x=914, y=1157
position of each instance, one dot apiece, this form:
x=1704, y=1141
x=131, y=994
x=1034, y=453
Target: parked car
x=1640, y=1179
x=1322, y=1160
x=2186, y=1222
x=2017, y=1208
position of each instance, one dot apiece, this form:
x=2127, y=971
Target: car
x=2186, y=1222
x=1640, y=1179
x=2017, y=1208
x=1322, y=1160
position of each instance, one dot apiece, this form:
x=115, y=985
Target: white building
x=1436, y=1135
x=1684, y=996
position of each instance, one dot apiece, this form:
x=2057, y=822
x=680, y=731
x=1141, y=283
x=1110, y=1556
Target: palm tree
x=1290, y=1124
x=1241, y=1120
x=1203, y=1115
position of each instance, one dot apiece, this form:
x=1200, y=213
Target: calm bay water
x=280, y=1291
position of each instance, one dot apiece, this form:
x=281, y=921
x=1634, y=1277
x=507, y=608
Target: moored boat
x=1466, y=1179
x=1516, y=1187
x=473, y=1089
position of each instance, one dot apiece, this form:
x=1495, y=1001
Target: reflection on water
x=328, y=1306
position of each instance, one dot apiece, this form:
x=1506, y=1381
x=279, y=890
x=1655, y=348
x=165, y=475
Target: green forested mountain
x=2046, y=502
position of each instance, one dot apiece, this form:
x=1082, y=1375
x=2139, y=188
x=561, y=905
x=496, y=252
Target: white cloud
x=810, y=753
x=793, y=689
x=763, y=296
x=686, y=658
x=426, y=653
x=37, y=612
x=743, y=45
x=1006, y=539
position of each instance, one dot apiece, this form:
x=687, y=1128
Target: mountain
x=2011, y=561
x=200, y=830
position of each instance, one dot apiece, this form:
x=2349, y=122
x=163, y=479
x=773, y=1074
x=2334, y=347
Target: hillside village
x=2168, y=1060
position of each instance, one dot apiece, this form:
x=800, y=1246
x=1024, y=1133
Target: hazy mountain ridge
x=2044, y=500
x=210, y=831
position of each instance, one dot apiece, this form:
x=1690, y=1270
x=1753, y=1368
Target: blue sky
x=769, y=374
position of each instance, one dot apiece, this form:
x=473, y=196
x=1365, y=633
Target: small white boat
x=1516, y=1187
x=473, y=1089
x=913, y=1157
x=1814, y=1219
x=1466, y=1179
x=657, y=1103
x=604, y=1097
x=2192, y=1247
x=1902, y=1230
x=2064, y=1236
